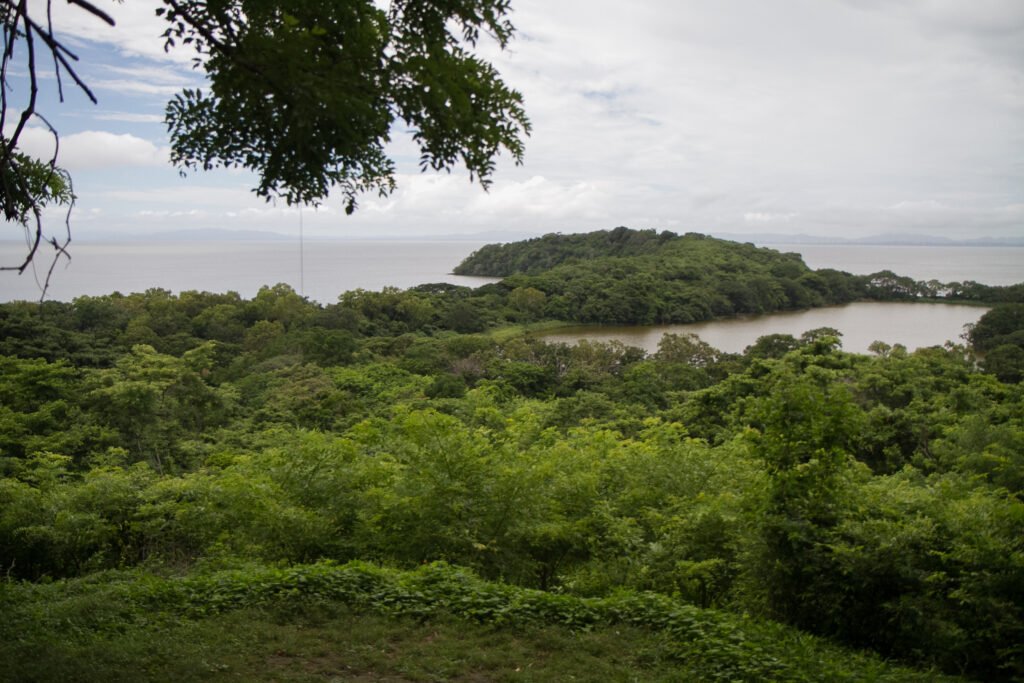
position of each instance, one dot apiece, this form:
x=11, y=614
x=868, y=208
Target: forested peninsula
x=202, y=486
x=644, y=277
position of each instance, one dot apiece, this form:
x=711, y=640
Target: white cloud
x=94, y=149
x=129, y=117
x=137, y=30
x=122, y=85
x=147, y=79
x=35, y=141
x=162, y=74
x=766, y=217
x=186, y=192
x=922, y=205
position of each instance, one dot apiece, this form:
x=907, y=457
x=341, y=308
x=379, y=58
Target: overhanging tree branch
x=306, y=95
x=28, y=184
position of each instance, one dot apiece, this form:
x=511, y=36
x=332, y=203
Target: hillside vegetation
x=177, y=464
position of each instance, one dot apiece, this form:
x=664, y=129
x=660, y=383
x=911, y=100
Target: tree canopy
x=307, y=95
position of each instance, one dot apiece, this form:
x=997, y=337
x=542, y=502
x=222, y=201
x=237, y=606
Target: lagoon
x=915, y=325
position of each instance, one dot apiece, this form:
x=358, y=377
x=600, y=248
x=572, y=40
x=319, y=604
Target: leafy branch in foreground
x=307, y=96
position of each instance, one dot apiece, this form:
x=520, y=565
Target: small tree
x=806, y=429
x=528, y=302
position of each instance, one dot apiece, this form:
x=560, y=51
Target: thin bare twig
x=22, y=200
x=93, y=9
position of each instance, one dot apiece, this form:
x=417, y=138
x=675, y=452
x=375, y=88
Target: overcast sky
x=848, y=118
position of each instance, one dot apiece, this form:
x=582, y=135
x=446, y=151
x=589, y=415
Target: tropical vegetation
x=795, y=512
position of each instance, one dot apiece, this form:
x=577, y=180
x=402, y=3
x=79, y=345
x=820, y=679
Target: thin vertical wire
x=302, y=259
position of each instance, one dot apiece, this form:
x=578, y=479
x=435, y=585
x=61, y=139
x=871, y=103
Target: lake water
x=988, y=265
x=328, y=268
x=914, y=325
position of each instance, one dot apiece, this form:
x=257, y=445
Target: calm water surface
x=988, y=265
x=330, y=268
x=914, y=325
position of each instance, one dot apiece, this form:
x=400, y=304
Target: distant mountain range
x=222, y=235
x=505, y=236
x=875, y=240
x=210, y=235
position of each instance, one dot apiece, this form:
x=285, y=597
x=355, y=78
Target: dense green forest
x=169, y=458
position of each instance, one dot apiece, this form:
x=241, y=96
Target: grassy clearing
x=292, y=642
x=506, y=332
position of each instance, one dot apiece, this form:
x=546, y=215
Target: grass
x=357, y=622
x=333, y=643
x=506, y=332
